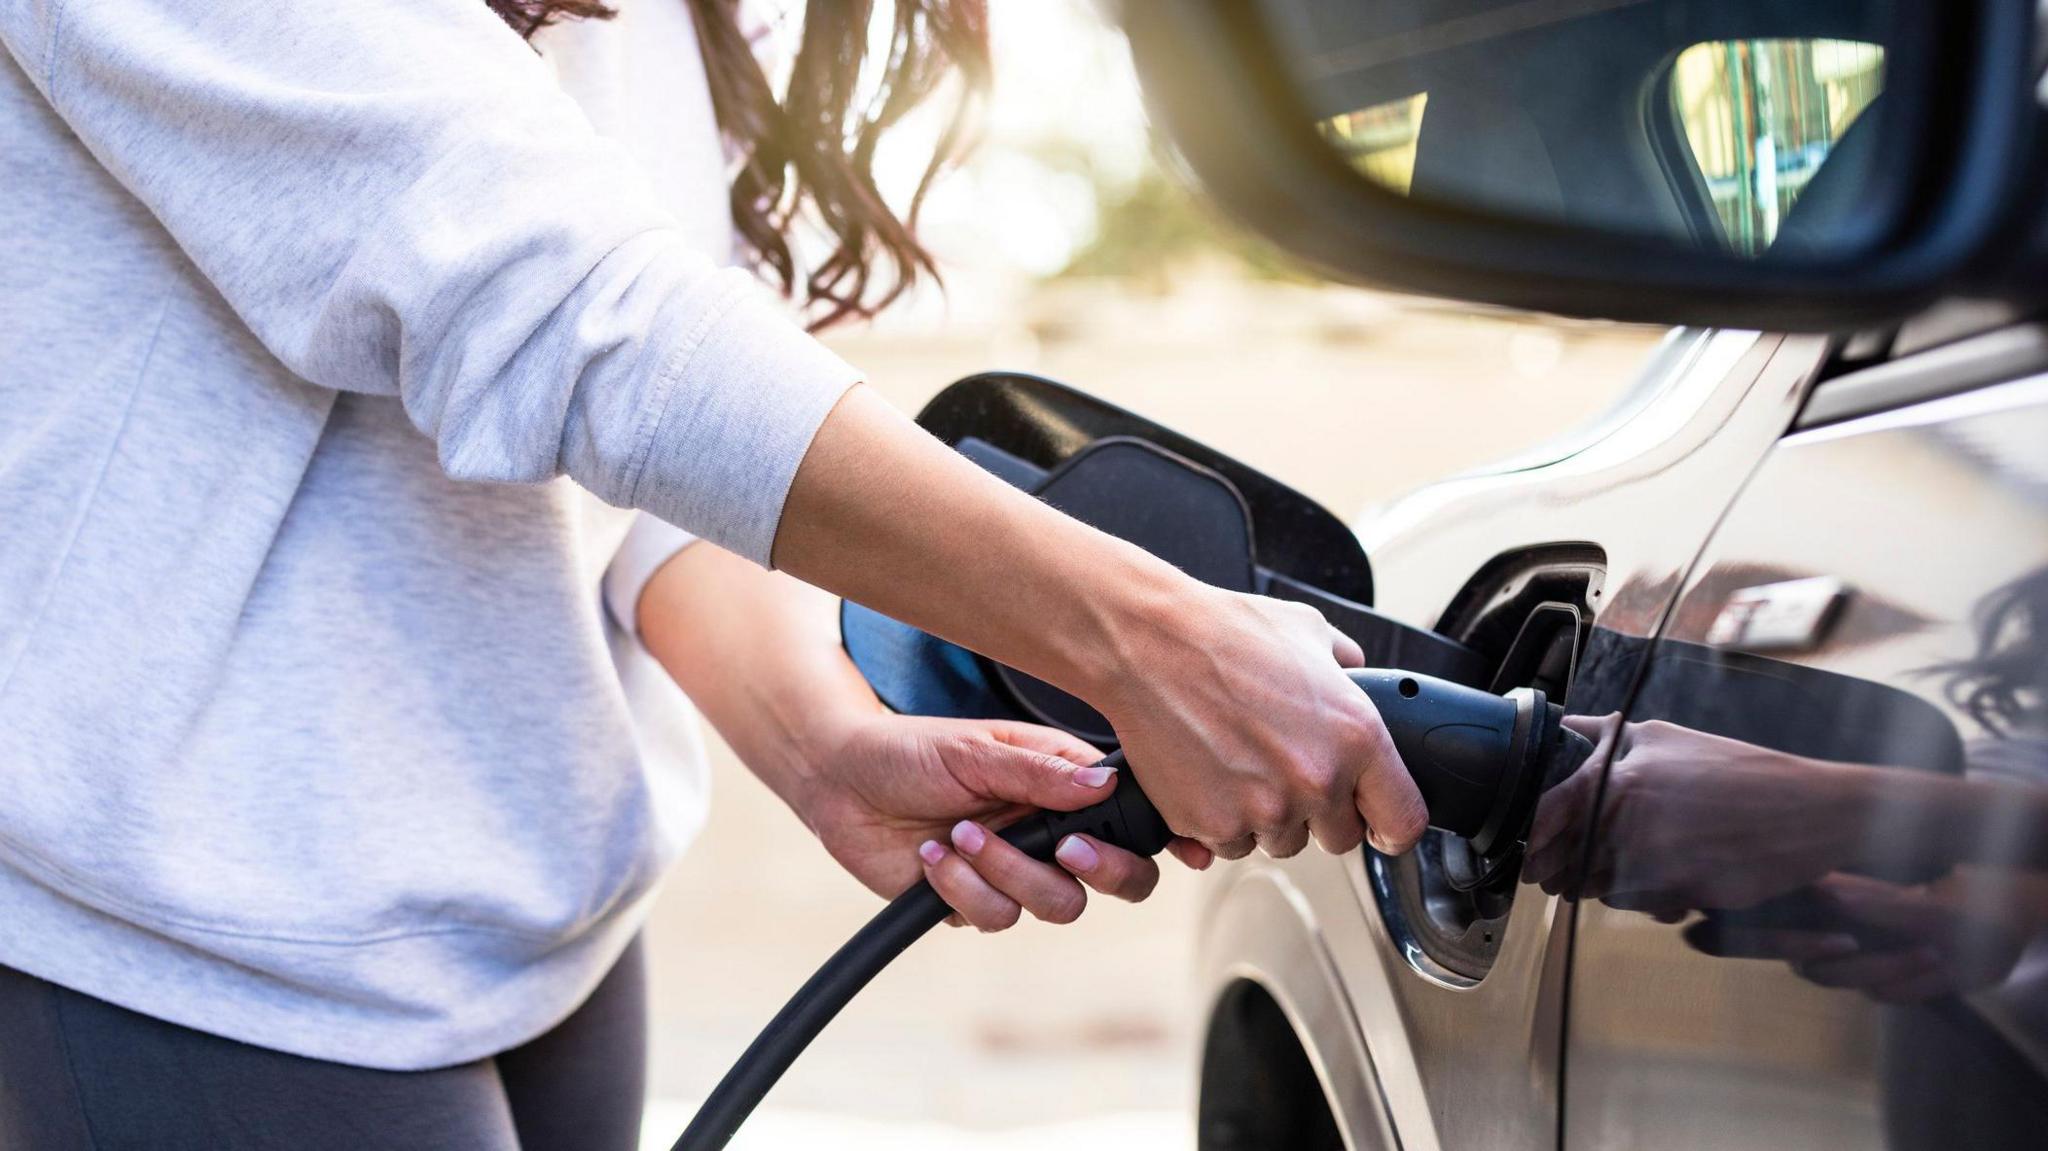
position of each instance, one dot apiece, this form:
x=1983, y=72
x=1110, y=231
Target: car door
x=1556, y=574
x=1814, y=881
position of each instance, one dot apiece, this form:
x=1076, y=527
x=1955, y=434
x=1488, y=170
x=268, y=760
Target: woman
x=326, y=822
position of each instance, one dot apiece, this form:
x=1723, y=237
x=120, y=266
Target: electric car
x=1793, y=588
x=1796, y=582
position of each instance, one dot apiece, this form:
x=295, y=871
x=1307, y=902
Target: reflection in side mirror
x=1762, y=118
x=1706, y=124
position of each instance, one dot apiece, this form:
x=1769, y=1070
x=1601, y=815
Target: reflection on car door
x=1813, y=873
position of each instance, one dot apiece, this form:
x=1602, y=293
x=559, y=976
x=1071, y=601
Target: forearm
x=1968, y=821
x=1905, y=822
x=758, y=653
x=884, y=514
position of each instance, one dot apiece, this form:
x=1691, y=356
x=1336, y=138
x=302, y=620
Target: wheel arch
x=1267, y=977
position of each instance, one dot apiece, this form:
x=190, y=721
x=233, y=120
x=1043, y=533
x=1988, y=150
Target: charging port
x=1529, y=615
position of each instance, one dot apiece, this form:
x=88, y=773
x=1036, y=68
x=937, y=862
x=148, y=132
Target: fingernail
x=930, y=851
x=1094, y=775
x=1379, y=844
x=968, y=837
x=1076, y=854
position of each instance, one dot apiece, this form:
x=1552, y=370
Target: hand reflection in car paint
x=1904, y=884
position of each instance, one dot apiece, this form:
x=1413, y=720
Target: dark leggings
x=77, y=1074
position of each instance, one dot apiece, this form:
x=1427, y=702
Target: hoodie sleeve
x=396, y=198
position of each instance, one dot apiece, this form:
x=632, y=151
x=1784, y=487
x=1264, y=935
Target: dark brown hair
x=810, y=154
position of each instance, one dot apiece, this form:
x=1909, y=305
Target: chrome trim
x=1942, y=371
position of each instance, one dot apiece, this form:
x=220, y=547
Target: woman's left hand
x=899, y=798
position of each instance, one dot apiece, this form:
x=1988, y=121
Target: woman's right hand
x=1237, y=717
x=1234, y=710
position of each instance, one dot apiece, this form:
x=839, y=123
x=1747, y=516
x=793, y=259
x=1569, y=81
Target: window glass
x=1761, y=116
x=1379, y=140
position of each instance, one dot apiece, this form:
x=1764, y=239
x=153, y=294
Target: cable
x=1126, y=819
x=872, y=948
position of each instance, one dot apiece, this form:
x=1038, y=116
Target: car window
x=1760, y=117
x=1379, y=140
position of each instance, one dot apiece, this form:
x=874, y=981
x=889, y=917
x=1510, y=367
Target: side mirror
x=1782, y=164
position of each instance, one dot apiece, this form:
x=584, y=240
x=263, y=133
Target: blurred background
x=1072, y=250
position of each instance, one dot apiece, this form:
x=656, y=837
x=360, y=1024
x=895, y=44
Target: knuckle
x=1051, y=765
x=1265, y=809
x=1139, y=884
x=1284, y=848
x=1303, y=615
x=1226, y=823
x=1319, y=778
x=1235, y=847
x=992, y=914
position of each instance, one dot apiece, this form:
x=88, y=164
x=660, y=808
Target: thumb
x=1037, y=773
x=1346, y=649
x=1050, y=740
x=1597, y=728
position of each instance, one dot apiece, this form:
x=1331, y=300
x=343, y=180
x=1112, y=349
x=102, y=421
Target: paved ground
x=1048, y=1034
x=784, y=1130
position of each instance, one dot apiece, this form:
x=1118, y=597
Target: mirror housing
x=1941, y=214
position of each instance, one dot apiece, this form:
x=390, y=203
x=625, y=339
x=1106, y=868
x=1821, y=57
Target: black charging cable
x=1126, y=819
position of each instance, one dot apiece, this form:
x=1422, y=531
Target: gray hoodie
x=319, y=325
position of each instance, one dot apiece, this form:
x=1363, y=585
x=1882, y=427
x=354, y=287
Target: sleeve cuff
x=649, y=544
x=739, y=417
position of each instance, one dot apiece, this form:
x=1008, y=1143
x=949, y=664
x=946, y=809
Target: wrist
x=1132, y=613
x=800, y=759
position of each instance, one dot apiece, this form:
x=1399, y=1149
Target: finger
x=1110, y=870
x=1043, y=890
x=1346, y=649
x=1050, y=740
x=1338, y=832
x=958, y=884
x=1192, y=855
x=1557, y=833
x=1386, y=796
x=1562, y=809
x=1656, y=905
x=1887, y=907
x=1284, y=842
x=1597, y=879
x=1549, y=865
x=1727, y=941
x=1232, y=848
x=1001, y=770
